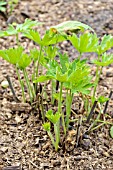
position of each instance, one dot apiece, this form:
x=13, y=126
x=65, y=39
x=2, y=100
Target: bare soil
x=23, y=142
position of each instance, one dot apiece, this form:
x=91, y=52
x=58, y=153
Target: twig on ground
x=78, y=131
x=34, y=164
x=12, y=89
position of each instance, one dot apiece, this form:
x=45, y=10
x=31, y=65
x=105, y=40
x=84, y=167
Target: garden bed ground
x=23, y=142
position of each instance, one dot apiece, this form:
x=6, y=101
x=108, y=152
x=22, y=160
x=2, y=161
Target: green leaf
x=2, y=3
x=2, y=34
x=47, y=126
x=70, y=26
x=33, y=35
x=34, y=53
x=106, y=60
x=56, y=96
x=36, y=56
x=50, y=39
x=24, y=28
x=51, y=52
x=47, y=39
x=85, y=43
x=111, y=131
x=4, y=55
x=106, y=44
x=79, y=79
x=43, y=78
x=3, y=9
x=60, y=76
x=2, y=6
x=13, y=1
x=82, y=87
x=78, y=74
x=75, y=41
x=28, y=24
x=102, y=99
x=54, y=118
x=16, y=56
x=12, y=55
x=64, y=60
x=10, y=31
x=24, y=61
x=52, y=66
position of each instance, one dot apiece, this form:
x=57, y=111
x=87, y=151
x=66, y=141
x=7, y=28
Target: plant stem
x=97, y=127
x=60, y=108
x=98, y=73
x=42, y=107
x=87, y=105
x=34, y=70
x=31, y=87
x=75, y=120
x=51, y=137
x=28, y=85
x=68, y=107
x=39, y=60
x=21, y=84
x=44, y=92
x=80, y=54
x=53, y=90
x=17, y=40
x=60, y=98
x=98, y=117
x=37, y=67
x=56, y=136
x=105, y=122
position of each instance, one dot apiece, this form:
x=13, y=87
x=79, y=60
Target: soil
x=23, y=142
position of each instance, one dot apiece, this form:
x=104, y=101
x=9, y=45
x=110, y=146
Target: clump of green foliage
x=73, y=76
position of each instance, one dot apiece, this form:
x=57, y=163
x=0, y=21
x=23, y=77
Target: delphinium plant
x=72, y=76
x=18, y=57
x=90, y=43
